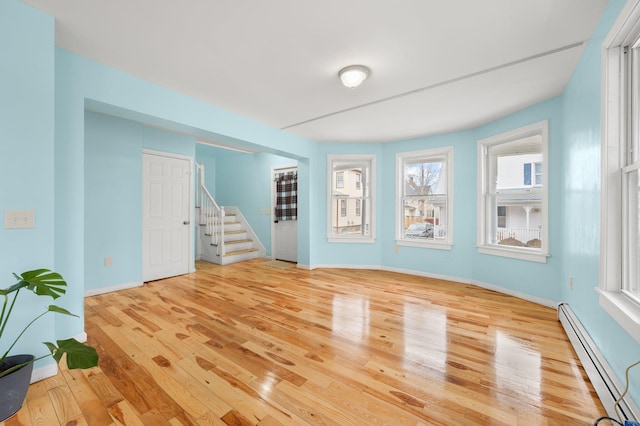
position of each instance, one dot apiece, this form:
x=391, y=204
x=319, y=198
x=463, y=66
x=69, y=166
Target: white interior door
x=166, y=216
x=285, y=232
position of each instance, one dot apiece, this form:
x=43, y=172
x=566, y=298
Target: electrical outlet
x=396, y=249
x=107, y=261
x=570, y=281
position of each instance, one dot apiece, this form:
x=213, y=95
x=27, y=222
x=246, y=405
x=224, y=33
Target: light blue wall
x=113, y=194
x=113, y=207
x=580, y=203
x=207, y=155
x=26, y=156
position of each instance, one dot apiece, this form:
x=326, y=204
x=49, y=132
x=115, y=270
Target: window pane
x=515, y=213
x=425, y=177
x=502, y=216
x=538, y=180
x=632, y=282
x=424, y=217
x=351, y=217
x=349, y=210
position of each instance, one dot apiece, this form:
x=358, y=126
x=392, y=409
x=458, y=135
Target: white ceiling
x=437, y=66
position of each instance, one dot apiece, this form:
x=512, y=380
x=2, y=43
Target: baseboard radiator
x=606, y=383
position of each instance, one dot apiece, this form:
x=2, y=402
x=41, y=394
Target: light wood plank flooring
x=247, y=344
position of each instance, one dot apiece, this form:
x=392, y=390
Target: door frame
x=274, y=170
x=191, y=210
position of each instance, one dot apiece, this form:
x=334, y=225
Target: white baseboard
x=519, y=295
x=600, y=373
x=44, y=372
x=112, y=288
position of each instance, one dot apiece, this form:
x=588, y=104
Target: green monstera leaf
x=42, y=282
x=79, y=355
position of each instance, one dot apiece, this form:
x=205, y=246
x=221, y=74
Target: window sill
x=514, y=253
x=354, y=240
x=623, y=310
x=425, y=244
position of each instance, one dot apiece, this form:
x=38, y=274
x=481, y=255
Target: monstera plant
x=16, y=369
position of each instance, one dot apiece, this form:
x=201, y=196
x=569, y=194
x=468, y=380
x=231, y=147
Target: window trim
x=360, y=158
x=401, y=157
x=540, y=256
x=624, y=310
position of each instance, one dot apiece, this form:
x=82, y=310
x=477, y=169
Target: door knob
x=186, y=222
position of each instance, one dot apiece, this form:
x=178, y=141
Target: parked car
x=419, y=230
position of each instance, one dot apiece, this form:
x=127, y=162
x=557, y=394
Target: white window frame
x=401, y=158
x=370, y=160
x=615, y=128
x=485, y=247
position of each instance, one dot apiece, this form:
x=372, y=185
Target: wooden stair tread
x=241, y=231
x=232, y=253
x=227, y=243
x=237, y=242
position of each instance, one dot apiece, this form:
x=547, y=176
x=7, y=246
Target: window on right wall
x=512, y=194
x=620, y=200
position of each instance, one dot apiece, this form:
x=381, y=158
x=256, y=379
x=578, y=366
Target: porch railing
x=211, y=215
x=521, y=234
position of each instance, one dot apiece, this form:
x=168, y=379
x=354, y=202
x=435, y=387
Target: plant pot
x=13, y=388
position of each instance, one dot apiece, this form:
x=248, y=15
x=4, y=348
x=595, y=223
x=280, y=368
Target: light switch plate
x=19, y=219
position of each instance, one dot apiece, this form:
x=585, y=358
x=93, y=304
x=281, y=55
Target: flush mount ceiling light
x=353, y=75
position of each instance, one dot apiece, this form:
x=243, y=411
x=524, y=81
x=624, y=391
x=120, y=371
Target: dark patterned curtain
x=287, y=196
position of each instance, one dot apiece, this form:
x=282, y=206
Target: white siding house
x=519, y=193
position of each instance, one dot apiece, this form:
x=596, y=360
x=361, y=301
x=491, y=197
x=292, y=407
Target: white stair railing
x=211, y=215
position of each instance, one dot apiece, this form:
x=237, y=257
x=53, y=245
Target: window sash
x=425, y=188
x=501, y=188
x=631, y=182
x=350, y=213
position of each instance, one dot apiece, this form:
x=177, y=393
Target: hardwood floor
x=247, y=344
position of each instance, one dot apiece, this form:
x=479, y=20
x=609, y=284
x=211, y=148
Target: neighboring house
x=519, y=195
x=349, y=211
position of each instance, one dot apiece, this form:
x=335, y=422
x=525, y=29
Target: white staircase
x=225, y=236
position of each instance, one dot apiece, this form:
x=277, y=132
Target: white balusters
x=211, y=215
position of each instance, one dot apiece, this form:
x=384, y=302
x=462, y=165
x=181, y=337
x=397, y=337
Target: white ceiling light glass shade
x=353, y=75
